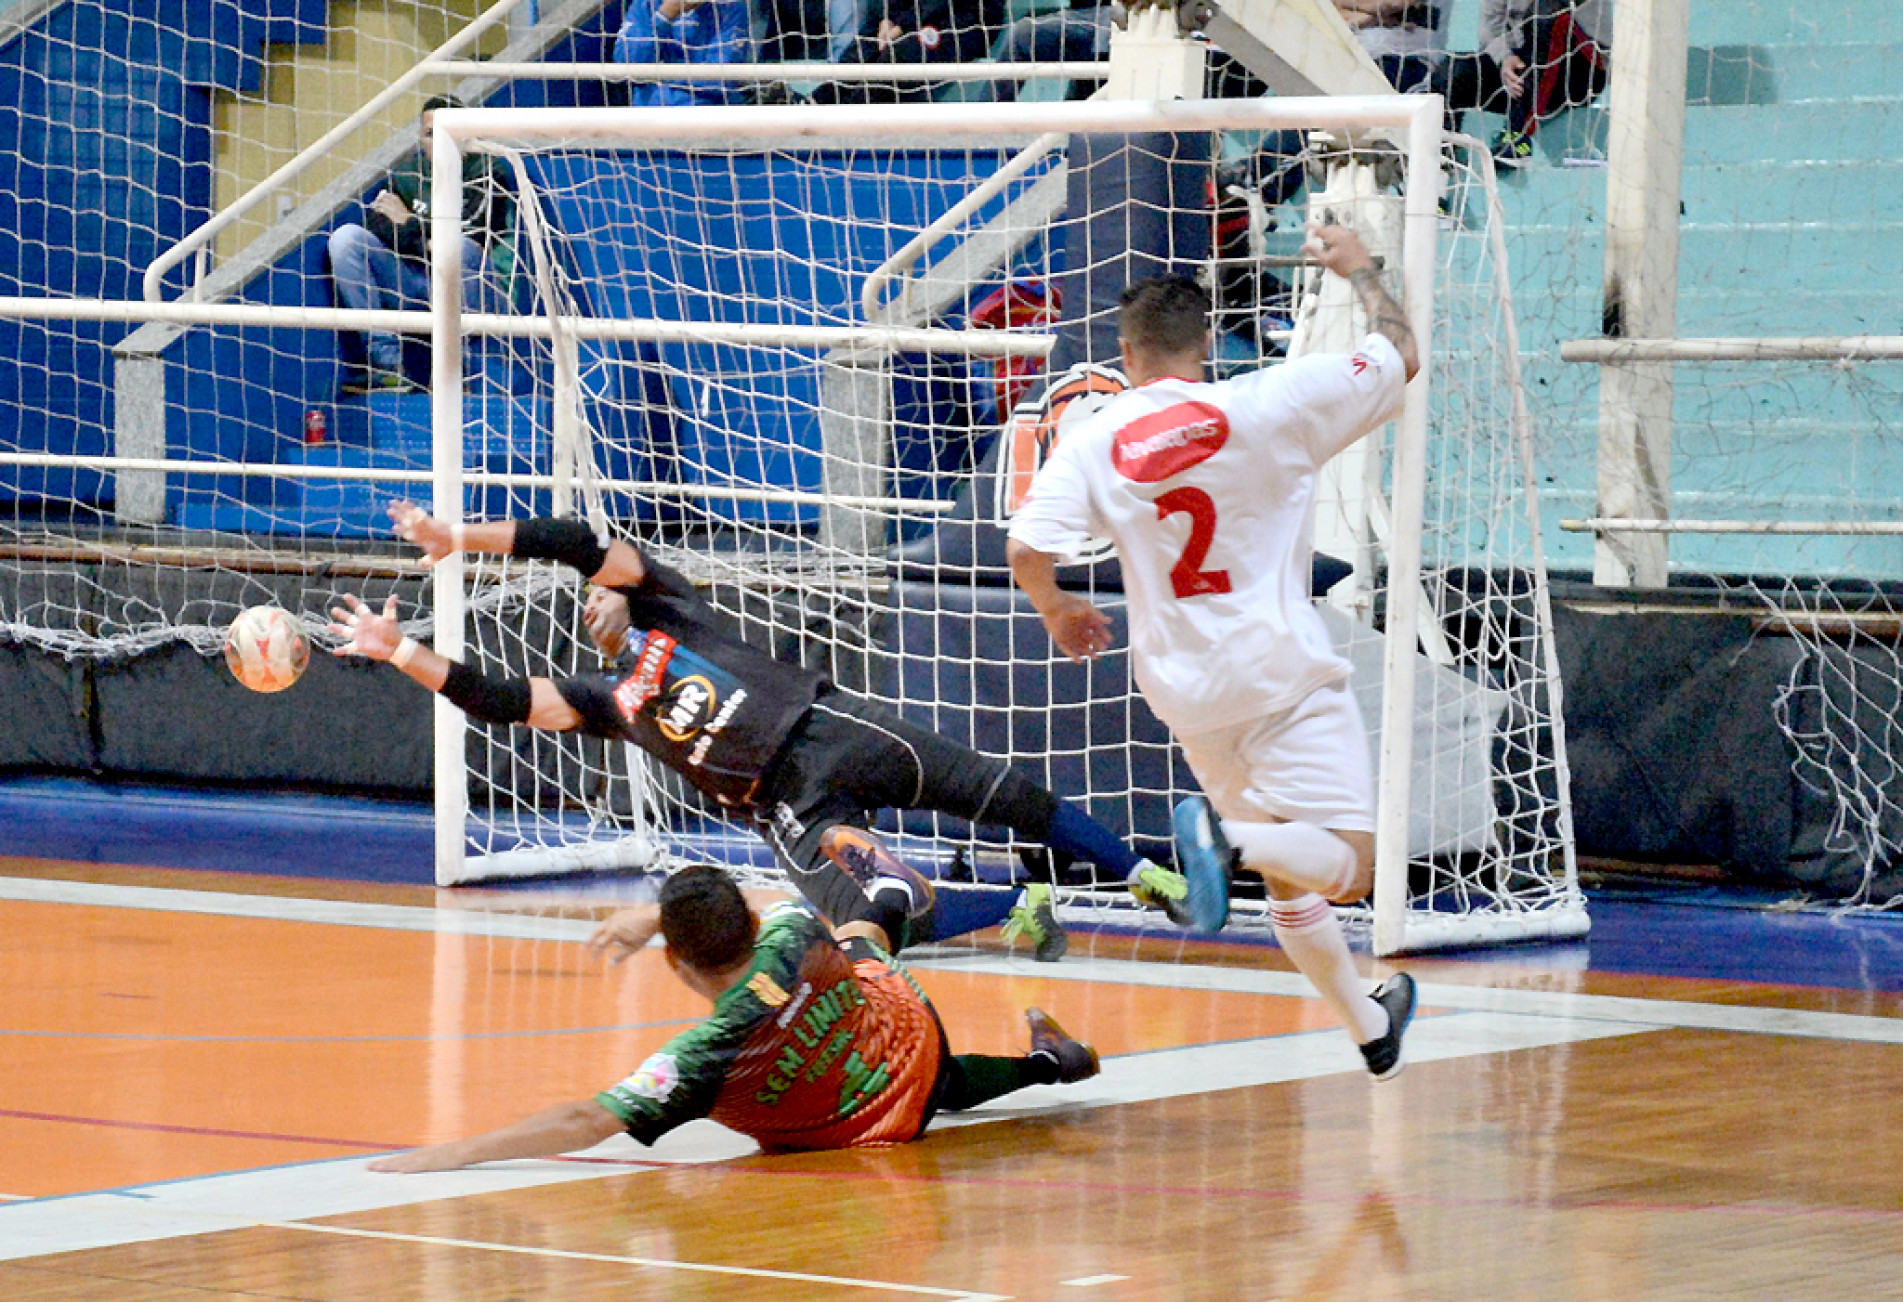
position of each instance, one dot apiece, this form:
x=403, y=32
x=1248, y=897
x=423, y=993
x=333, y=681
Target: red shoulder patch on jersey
x=644, y=682
x=1359, y=362
x=1168, y=442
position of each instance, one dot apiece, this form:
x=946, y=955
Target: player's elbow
x=1026, y=561
x=587, y=1123
x=549, y=710
x=621, y=567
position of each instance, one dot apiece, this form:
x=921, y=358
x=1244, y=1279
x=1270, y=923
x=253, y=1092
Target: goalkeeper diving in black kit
x=769, y=741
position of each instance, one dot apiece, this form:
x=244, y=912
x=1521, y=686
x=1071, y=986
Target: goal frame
x=1413, y=122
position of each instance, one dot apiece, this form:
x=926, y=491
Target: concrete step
x=1570, y=553
x=1843, y=126
x=1712, y=256
x=1550, y=310
x=1782, y=71
x=1775, y=22
x=1714, y=189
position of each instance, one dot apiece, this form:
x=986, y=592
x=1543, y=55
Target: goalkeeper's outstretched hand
x=366, y=632
x=415, y=525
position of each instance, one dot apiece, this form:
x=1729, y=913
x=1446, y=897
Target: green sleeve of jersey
x=680, y=1081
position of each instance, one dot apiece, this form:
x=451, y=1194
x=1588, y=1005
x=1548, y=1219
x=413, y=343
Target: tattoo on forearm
x=1384, y=313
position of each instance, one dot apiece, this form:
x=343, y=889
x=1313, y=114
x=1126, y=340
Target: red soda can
x=316, y=428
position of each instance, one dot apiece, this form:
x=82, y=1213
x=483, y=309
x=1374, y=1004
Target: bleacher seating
x=1788, y=101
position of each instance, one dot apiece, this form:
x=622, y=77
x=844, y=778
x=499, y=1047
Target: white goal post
x=1475, y=838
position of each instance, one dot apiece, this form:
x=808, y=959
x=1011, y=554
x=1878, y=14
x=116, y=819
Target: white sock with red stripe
x=1300, y=854
x=1311, y=936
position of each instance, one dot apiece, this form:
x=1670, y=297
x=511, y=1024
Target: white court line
x=336, y=1187
x=234, y=1200
x=1659, y=1014
x=1174, y=976
x=652, y=1263
x=1484, y=1021
x=1091, y=1281
x=280, y=908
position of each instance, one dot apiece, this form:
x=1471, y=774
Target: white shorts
x=1308, y=764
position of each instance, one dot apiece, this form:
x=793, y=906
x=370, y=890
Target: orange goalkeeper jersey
x=818, y=1046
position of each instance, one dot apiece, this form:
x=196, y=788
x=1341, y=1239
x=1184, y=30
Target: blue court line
x=1729, y=933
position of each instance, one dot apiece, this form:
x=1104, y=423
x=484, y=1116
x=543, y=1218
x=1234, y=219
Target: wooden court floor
x=194, y=1067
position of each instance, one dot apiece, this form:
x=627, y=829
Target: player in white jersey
x=1207, y=490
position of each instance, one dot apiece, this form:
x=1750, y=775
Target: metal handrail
x=1797, y=348
x=21, y=17
x=906, y=256
x=841, y=72
x=428, y=66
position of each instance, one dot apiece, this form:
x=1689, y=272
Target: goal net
x=799, y=355
x=1749, y=492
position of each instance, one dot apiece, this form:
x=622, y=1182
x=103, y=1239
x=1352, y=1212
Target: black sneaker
x=1075, y=1060
x=1383, y=1055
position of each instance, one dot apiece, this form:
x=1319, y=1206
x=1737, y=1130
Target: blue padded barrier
x=975, y=664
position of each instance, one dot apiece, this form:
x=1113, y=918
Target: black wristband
x=569, y=541
x=485, y=699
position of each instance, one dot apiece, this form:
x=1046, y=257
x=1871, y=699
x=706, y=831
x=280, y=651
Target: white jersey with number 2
x=1206, y=490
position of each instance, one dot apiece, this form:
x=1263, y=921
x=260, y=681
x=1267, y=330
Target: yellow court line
x=656, y=1263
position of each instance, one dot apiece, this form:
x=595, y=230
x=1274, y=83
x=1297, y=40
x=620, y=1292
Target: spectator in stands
x=796, y=31
x=383, y=262
x=1077, y=33
x=906, y=32
x=1536, y=57
x=686, y=31
x=1407, y=39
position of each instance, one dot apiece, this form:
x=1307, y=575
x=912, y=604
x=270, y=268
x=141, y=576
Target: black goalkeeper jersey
x=695, y=697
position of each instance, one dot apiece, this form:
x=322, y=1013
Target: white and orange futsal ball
x=266, y=649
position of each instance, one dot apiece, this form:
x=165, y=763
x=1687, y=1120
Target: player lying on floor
x=819, y=1038
x=769, y=740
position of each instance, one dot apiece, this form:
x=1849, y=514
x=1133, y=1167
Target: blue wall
x=106, y=160
x=760, y=240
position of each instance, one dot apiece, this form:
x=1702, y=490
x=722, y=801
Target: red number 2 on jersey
x=1189, y=578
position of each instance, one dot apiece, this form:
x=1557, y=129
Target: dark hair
x=1165, y=315
x=705, y=918
x=435, y=102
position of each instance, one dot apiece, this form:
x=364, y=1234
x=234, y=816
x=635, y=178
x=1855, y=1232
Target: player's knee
x=1015, y=801
x=1357, y=879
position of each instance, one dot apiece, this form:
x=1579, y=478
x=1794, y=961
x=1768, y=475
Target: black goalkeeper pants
x=850, y=758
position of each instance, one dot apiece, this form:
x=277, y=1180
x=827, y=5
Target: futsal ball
x=266, y=649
